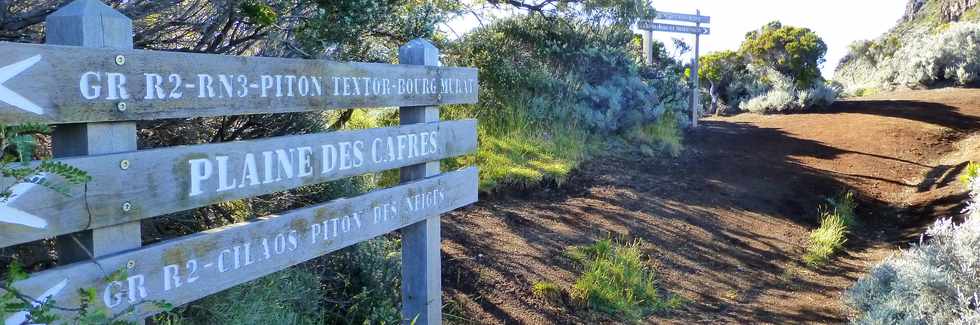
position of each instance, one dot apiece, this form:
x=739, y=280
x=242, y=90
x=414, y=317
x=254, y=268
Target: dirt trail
x=725, y=224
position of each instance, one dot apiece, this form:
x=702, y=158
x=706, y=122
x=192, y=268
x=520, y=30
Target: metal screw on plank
x=131, y=264
x=126, y=206
x=124, y=164
x=120, y=60
x=121, y=107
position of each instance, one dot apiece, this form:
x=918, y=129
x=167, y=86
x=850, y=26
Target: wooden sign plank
x=683, y=17
x=192, y=267
x=658, y=27
x=132, y=186
x=60, y=84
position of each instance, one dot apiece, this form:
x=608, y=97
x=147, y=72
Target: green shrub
x=617, y=281
x=776, y=69
x=291, y=296
x=775, y=92
x=356, y=285
x=835, y=224
x=558, y=69
x=793, y=51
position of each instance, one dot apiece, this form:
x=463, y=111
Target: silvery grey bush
x=918, y=57
x=936, y=281
x=779, y=93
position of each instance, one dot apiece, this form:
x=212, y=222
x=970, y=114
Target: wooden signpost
x=95, y=90
x=189, y=268
x=57, y=84
x=649, y=27
x=127, y=187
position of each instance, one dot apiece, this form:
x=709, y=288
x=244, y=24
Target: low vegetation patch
x=663, y=136
x=933, y=282
x=356, y=285
x=523, y=158
x=617, y=281
x=548, y=291
x=924, y=51
x=836, y=221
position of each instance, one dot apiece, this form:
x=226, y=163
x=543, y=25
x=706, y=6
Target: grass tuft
x=616, y=281
x=548, y=291
x=836, y=222
x=970, y=173
x=663, y=136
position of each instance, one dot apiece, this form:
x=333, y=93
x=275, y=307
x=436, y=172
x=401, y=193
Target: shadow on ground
x=725, y=224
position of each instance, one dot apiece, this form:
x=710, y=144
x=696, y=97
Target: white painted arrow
x=20, y=318
x=13, y=215
x=9, y=96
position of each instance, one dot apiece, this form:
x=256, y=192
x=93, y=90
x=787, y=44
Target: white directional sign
x=13, y=215
x=10, y=97
x=57, y=84
x=167, y=180
x=650, y=26
x=191, y=267
x=659, y=27
x=683, y=17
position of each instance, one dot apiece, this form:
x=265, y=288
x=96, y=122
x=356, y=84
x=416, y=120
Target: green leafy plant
x=662, y=136
x=17, y=144
x=43, y=311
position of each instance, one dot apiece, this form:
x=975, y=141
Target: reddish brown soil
x=725, y=224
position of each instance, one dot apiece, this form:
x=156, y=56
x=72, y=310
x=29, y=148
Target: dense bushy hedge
x=559, y=68
x=934, y=282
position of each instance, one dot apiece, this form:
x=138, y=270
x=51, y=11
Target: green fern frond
x=71, y=174
x=28, y=128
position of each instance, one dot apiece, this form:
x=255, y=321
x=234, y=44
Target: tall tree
x=793, y=51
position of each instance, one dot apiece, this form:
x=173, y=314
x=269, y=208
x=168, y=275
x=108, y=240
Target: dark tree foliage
x=722, y=70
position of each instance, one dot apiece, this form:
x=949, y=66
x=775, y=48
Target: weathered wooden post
x=94, y=91
x=648, y=47
x=649, y=25
x=421, y=242
x=696, y=90
x=90, y=23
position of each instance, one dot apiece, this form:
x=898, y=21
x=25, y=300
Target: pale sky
x=838, y=22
